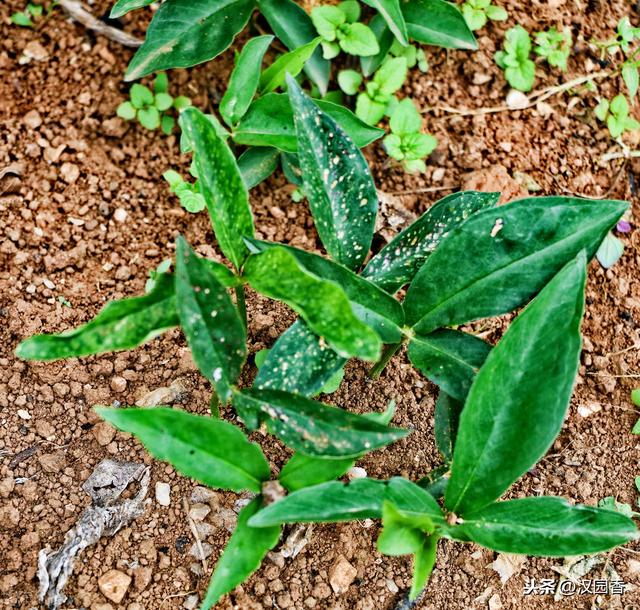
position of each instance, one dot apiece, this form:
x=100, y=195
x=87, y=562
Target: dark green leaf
x=519, y=399
x=546, y=526
x=289, y=63
x=398, y=262
x=370, y=304
x=293, y=26
x=257, y=164
x=385, y=39
x=439, y=23
x=311, y=427
x=323, y=304
x=210, y=321
x=206, y=449
x=449, y=358
x=326, y=503
x=221, y=185
x=510, y=253
x=120, y=325
x=446, y=419
x=390, y=11
x=299, y=349
x=122, y=7
x=184, y=33
x=413, y=501
x=226, y=277
x=304, y=471
x=242, y=556
x=269, y=122
x=337, y=182
x=435, y=482
x=244, y=80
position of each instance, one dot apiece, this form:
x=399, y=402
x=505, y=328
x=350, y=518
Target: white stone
x=163, y=494
x=120, y=215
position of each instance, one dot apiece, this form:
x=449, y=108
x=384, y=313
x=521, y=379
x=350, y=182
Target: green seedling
x=377, y=99
x=155, y=274
x=519, y=69
x=500, y=407
x=406, y=143
x=151, y=108
x=25, y=18
x=616, y=115
x=189, y=194
x=478, y=12
x=414, y=56
x=635, y=397
x=554, y=46
x=339, y=28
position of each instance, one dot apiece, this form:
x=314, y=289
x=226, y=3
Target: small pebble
x=22, y=414
x=163, y=494
x=120, y=215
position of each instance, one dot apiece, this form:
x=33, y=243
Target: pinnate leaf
x=210, y=321
x=221, y=185
x=123, y=324
x=337, y=182
x=510, y=253
x=519, y=399
x=209, y=450
x=546, y=526
x=311, y=427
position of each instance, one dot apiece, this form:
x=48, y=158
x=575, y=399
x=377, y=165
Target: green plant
x=635, y=397
x=151, y=108
x=515, y=395
x=378, y=97
x=477, y=12
x=616, y=115
x=25, y=18
x=554, y=46
x=519, y=69
x=339, y=29
x=406, y=143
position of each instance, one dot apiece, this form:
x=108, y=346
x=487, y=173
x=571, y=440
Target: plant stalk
x=389, y=352
x=241, y=304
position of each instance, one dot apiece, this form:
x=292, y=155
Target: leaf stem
x=242, y=305
x=389, y=352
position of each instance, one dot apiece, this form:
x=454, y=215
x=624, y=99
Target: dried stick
x=77, y=12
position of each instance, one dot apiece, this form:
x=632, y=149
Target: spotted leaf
x=311, y=427
x=337, y=182
x=210, y=321
x=398, y=262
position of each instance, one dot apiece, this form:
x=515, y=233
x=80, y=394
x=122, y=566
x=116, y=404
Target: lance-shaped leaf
x=209, y=320
x=413, y=501
x=244, y=80
x=545, y=526
x=242, y=556
x=439, y=23
x=390, y=11
x=292, y=63
x=120, y=325
x=509, y=254
x=257, y=164
x=449, y=358
x=326, y=503
x=122, y=7
x=398, y=262
x=293, y=26
x=269, y=122
x=337, y=182
x=221, y=185
x=311, y=427
x=184, y=33
x=370, y=304
x=299, y=362
x=384, y=36
x=519, y=399
x=304, y=470
x=446, y=420
x=323, y=304
x=209, y=450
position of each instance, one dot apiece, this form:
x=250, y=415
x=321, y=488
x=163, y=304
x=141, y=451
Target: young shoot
x=478, y=12
x=519, y=69
x=554, y=46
